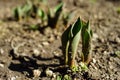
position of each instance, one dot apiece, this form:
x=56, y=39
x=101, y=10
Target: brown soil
x=22, y=51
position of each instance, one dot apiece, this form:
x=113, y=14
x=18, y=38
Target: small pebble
x=95, y=36
x=93, y=66
x=54, y=75
x=111, y=59
x=94, y=61
x=56, y=53
x=45, y=43
x=1, y=51
x=51, y=39
x=1, y=65
x=36, y=73
x=36, y=52
x=13, y=78
x=110, y=65
x=105, y=53
x=49, y=72
x=118, y=40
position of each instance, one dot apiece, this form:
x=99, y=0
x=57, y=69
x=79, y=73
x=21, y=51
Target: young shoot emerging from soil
x=52, y=16
x=86, y=34
x=70, y=40
x=21, y=12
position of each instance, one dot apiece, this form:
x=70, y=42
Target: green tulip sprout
x=18, y=14
x=86, y=34
x=42, y=15
x=54, y=15
x=22, y=11
x=70, y=41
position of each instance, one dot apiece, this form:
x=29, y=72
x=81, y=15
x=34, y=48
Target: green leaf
x=86, y=42
x=117, y=53
x=91, y=33
x=53, y=15
x=41, y=13
x=70, y=41
x=67, y=77
x=66, y=36
x=34, y=27
x=76, y=29
x=75, y=68
x=65, y=43
x=58, y=8
x=59, y=78
x=118, y=10
x=23, y=11
x=86, y=34
x=83, y=66
x=27, y=7
x=86, y=37
x=18, y=12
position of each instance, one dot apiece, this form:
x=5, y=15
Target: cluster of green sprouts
x=24, y=11
x=32, y=9
x=70, y=40
x=52, y=16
